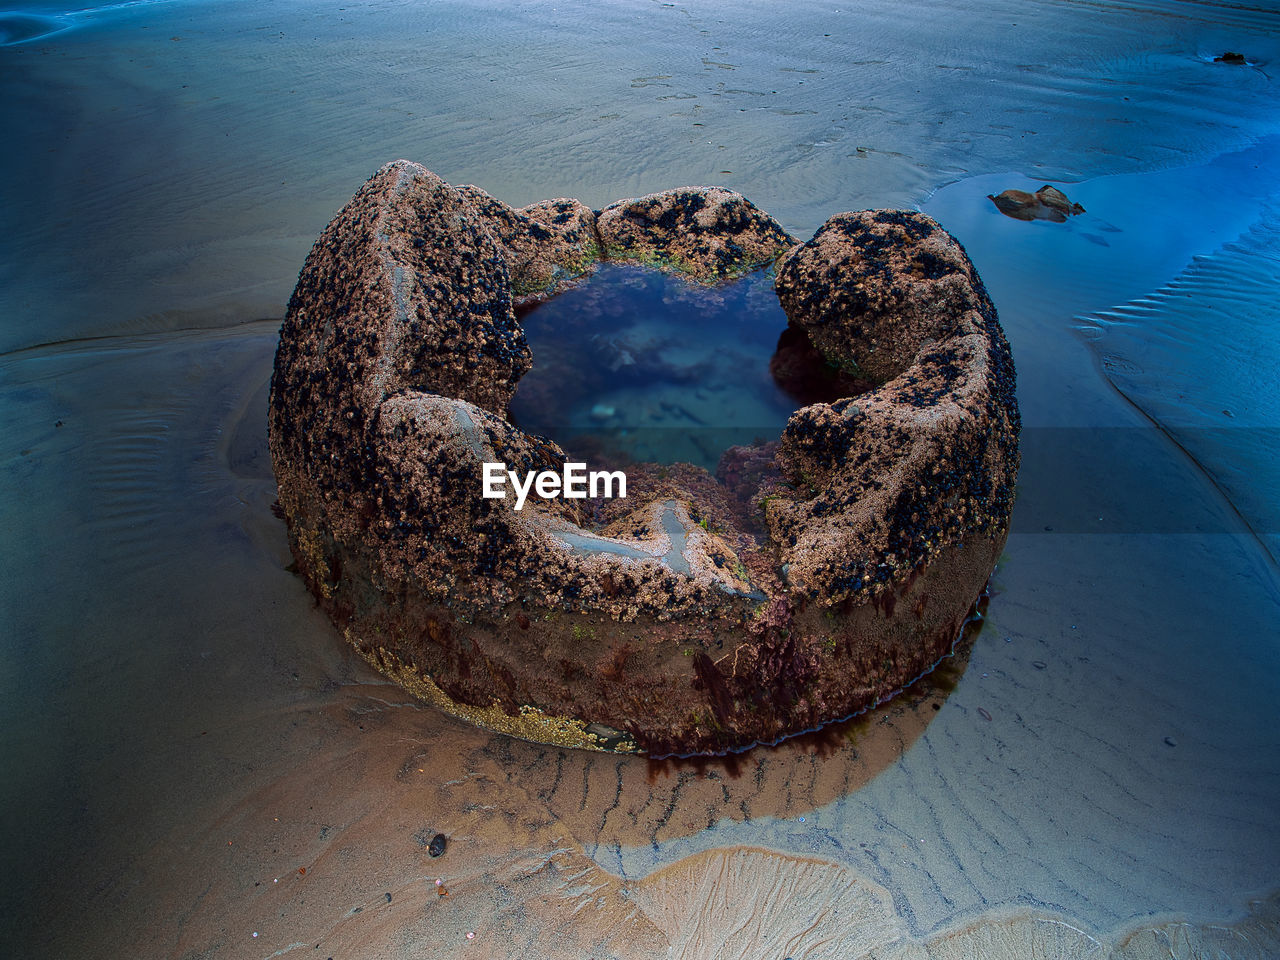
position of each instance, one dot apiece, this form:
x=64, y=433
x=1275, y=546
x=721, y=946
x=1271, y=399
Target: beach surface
x=198, y=766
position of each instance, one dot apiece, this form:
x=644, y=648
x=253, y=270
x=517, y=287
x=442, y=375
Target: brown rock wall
x=637, y=624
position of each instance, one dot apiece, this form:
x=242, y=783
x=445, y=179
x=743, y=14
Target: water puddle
x=637, y=364
x=1138, y=231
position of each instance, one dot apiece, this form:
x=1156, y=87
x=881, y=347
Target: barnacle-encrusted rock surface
x=701, y=613
x=926, y=459
x=707, y=232
x=545, y=245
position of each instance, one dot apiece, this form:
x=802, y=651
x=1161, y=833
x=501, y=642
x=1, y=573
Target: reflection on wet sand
x=330, y=846
x=331, y=854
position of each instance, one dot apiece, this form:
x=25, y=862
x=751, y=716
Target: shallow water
x=638, y=364
x=192, y=756
x=1172, y=278
x=1212, y=386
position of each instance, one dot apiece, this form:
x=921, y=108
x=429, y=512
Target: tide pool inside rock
x=640, y=364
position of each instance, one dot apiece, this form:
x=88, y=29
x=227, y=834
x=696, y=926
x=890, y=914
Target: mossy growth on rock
x=810, y=577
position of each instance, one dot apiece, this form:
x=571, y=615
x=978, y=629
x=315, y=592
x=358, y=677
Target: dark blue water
x=643, y=365
x=35, y=21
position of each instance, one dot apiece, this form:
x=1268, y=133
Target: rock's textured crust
x=546, y=246
x=709, y=233
x=696, y=615
x=927, y=460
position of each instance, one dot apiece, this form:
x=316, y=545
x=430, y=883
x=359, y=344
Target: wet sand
x=184, y=734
